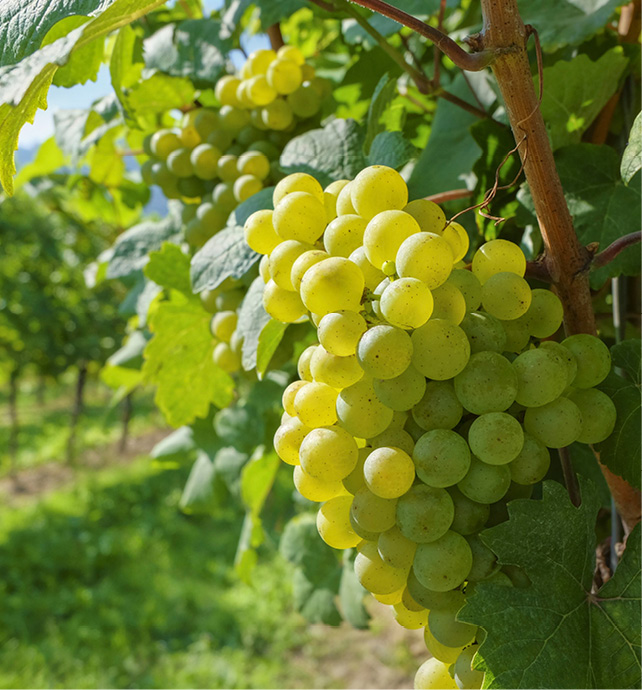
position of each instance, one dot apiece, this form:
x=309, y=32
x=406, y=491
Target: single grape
x=254, y=163
x=444, y=563
x=330, y=196
x=204, y=159
x=532, y=463
x=457, y=237
x=484, y=560
x=378, y=188
x=220, y=139
x=470, y=516
x=384, y=235
x=223, y=197
x=496, y=438
x=260, y=91
x=506, y=296
x=327, y=453
x=372, y=276
x=259, y=61
x=425, y=256
x=442, y=458
x=164, y=142
x=227, y=168
x=282, y=305
x=598, y=414
x=333, y=523
x=287, y=399
x=448, y=304
x=411, y=620
x=517, y=335
x=469, y=286
x=593, y=359
x=373, y=513
x=288, y=439
x=338, y=372
x=448, y=630
x=484, y=332
x=313, y=489
x=246, y=186
x=443, y=654
x=292, y=53
x=303, y=365
x=485, y=483
x=355, y=480
x=431, y=599
x=465, y=675
x=284, y=76
x=315, y=405
x=429, y=216
x=300, y=216
x=406, y=303
x=344, y=201
x=334, y=284
x=211, y=217
x=438, y=408
x=376, y=575
x=541, y=377
x=424, y=513
x=389, y=472
x=384, y=352
x=282, y=259
x=277, y=115
x=340, y=332
x=205, y=122
x=225, y=358
x=545, y=314
x=179, y=163
x=393, y=438
x=565, y=354
x=260, y=233
x=440, y=349
x=223, y=325
x=303, y=262
x=498, y=256
x=305, y=101
x=401, y=392
x=344, y=234
x=487, y=384
x=297, y=182
x=360, y=412
x=225, y=90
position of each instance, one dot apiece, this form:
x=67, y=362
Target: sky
x=83, y=95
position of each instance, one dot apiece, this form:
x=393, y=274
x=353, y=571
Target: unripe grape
x=484, y=332
x=223, y=196
x=205, y=121
x=406, y=303
x=541, y=377
x=556, y=424
x=394, y=438
x=496, y=438
x=300, y=216
x=498, y=256
x=545, y=314
x=442, y=458
x=373, y=513
x=485, y=483
x=401, y=392
x=334, y=284
x=282, y=305
x=246, y=186
x=425, y=256
x=438, y=408
x=378, y=188
x=385, y=233
x=260, y=233
x=444, y=563
x=305, y=101
x=598, y=414
x=487, y=384
x=429, y=216
x=593, y=359
x=389, y=472
x=448, y=303
x=284, y=76
x=440, y=350
x=220, y=139
x=532, y=463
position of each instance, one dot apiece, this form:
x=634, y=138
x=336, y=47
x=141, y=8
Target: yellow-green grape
x=429, y=216
x=338, y=372
x=401, y=392
x=469, y=286
x=389, y=472
x=566, y=355
x=264, y=268
x=470, y=516
x=179, y=163
x=556, y=424
x=340, y=332
x=260, y=233
x=223, y=196
x=593, y=359
x=330, y=195
x=204, y=159
x=376, y=575
x=388, y=599
x=485, y=483
x=373, y=513
x=372, y=275
x=394, y=438
x=442, y=458
x=164, y=142
x=303, y=262
x=532, y=463
x=225, y=90
x=282, y=305
x=484, y=332
x=230, y=300
x=496, y=438
x=378, y=188
x=220, y=139
x=498, y=256
x=545, y=314
x=226, y=358
x=541, y=377
x=315, y=405
x=291, y=53
x=327, y=453
x=297, y=182
x=246, y=186
x=384, y=351
x=205, y=121
x=448, y=303
x=412, y=620
x=344, y=234
x=258, y=61
x=444, y=563
x=314, y=489
x=334, y=284
x=443, y=655
x=254, y=163
x=303, y=365
x=425, y=256
x=385, y=233
x=487, y=384
x=227, y=168
x=190, y=187
x=448, y=630
x=282, y=259
x=395, y=549
x=355, y=480
x=300, y=216
x=506, y=296
x=425, y=513
x=146, y=172
x=260, y=91
x=305, y=101
x=288, y=439
x=517, y=335
x=440, y=349
x=277, y=115
x=189, y=136
x=223, y=325
x=333, y=523
x=344, y=201
x=211, y=218
x=233, y=119
x=406, y=303
x=284, y=76
x=287, y=399
x=360, y=412
x=457, y=237
x=598, y=414
x=465, y=675
x=438, y=408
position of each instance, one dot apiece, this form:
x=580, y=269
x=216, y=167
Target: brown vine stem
x=450, y=195
x=570, y=478
x=622, y=243
x=275, y=36
x=505, y=36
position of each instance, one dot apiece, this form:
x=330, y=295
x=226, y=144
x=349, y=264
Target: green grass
x=108, y=585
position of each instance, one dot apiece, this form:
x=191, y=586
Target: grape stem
x=607, y=255
x=570, y=478
x=275, y=36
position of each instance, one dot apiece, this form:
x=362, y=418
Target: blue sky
x=83, y=95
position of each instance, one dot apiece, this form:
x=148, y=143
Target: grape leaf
x=47, y=160
x=632, y=157
x=169, y=268
x=160, y=93
x=392, y=149
x=257, y=479
x=352, y=595
x=626, y=356
x=240, y=426
x=576, y=91
x=557, y=630
x=177, y=444
x=315, y=603
x=257, y=202
x=125, y=64
x=381, y=98
x=130, y=354
x=252, y=319
x=203, y=488
x=269, y=339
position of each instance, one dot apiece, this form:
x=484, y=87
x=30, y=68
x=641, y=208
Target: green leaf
x=106, y=166
x=315, y=604
x=228, y=463
x=381, y=98
x=240, y=426
x=632, y=158
x=178, y=359
x=391, y=149
x=626, y=356
x=125, y=64
x=269, y=339
x=252, y=320
x=160, y=93
x=130, y=354
x=47, y=160
x=169, y=268
x=533, y=633
x=257, y=479
x=576, y=91
x=122, y=379
x=223, y=256
x=332, y=153
x=252, y=536
x=202, y=490
x=177, y=444
x=271, y=12
x=351, y=596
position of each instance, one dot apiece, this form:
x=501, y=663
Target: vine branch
x=607, y=255
x=570, y=478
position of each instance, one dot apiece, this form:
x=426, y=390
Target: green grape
x=146, y=172
x=465, y=675
x=441, y=653
x=164, y=142
x=378, y=188
x=409, y=619
x=517, y=335
x=259, y=61
x=315, y=405
x=260, y=233
x=406, y=597
x=227, y=168
x=487, y=384
x=340, y=332
x=541, y=377
x=429, y=216
x=338, y=372
x=223, y=325
x=246, y=186
x=220, y=139
x=233, y=119
x=394, y=438
x=545, y=314
x=593, y=359
x=506, y=296
x=333, y=523
x=444, y=563
x=334, y=284
x=485, y=483
x=431, y=599
x=468, y=285
x=282, y=259
x=288, y=439
x=223, y=196
x=372, y=276
x=424, y=256
x=211, y=217
x=205, y=122
x=406, y=303
x=303, y=262
x=191, y=187
x=188, y=212
x=448, y=304
x=297, y=182
x=566, y=355
x=598, y=414
x=355, y=480
x=303, y=365
x=189, y=136
x=360, y=412
x=277, y=115
x=496, y=438
x=327, y=453
x=282, y=305
x=376, y=575
x=389, y=472
x=438, y=408
x=254, y=163
x=442, y=458
x=204, y=160
x=225, y=90
x=384, y=234
x=292, y=53
x=440, y=349
x=147, y=145
x=300, y=216
x=226, y=358
x=498, y=256
x=373, y=513
x=260, y=91
x=470, y=516
x=195, y=234
x=424, y=513
x=230, y=300
x=330, y=195
x=457, y=237
x=484, y=560
x=401, y=392
x=305, y=101
x=268, y=149
x=344, y=201
x=284, y=76
x=256, y=119
x=384, y=352
x=287, y=399
x=532, y=463
x=446, y=629
x=264, y=268
x=208, y=300
x=484, y=331
x=313, y=489
x=343, y=235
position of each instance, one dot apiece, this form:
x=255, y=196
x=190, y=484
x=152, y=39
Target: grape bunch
x=219, y=157
x=431, y=398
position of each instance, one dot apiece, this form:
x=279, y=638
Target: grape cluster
x=431, y=398
x=219, y=157
x=223, y=303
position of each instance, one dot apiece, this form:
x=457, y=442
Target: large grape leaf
x=558, y=632
x=252, y=320
x=169, y=268
x=24, y=86
x=632, y=157
x=48, y=159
